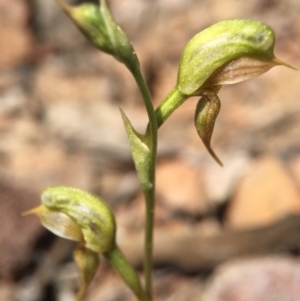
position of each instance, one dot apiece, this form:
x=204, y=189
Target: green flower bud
x=213, y=50
x=80, y=216
x=98, y=25
x=225, y=53
x=93, y=216
x=77, y=215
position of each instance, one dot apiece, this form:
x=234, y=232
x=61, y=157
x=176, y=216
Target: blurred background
x=222, y=234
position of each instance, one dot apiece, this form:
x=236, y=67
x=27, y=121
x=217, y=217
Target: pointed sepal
x=87, y=263
x=206, y=114
x=140, y=152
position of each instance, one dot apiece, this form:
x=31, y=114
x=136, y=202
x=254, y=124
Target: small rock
x=75, y=85
x=294, y=167
x=267, y=279
x=265, y=194
x=219, y=182
x=34, y=160
x=7, y=291
x=179, y=185
x=15, y=38
x=11, y=101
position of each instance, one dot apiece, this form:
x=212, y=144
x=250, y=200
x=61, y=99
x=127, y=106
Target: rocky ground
x=222, y=234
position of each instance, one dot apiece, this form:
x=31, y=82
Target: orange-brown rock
x=266, y=193
x=179, y=186
x=15, y=37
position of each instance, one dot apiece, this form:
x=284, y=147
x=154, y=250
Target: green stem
x=149, y=193
x=149, y=227
x=156, y=118
x=169, y=104
x=172, y=101
x=120, y=263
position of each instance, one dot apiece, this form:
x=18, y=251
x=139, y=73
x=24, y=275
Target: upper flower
x=225, y=53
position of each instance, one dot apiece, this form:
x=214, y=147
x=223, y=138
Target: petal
x=87, y=263
x=243, y=68
x=58, y=223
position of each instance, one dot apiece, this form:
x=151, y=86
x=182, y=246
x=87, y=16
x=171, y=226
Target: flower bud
x=77, y=215
x=93, y=216
x=225, y=53
x=80, y=216
x=98, y=25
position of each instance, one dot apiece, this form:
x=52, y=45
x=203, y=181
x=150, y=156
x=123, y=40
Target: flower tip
x=35, y=210
x=212, y=153
x=282, y=63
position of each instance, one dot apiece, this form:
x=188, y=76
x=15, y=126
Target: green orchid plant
x=228, y=52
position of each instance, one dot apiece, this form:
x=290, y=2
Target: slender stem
x=149, y=227
x=170, y=103
x=149, y=193
x=120, y=263
x=156, y=118
x=150, y=111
